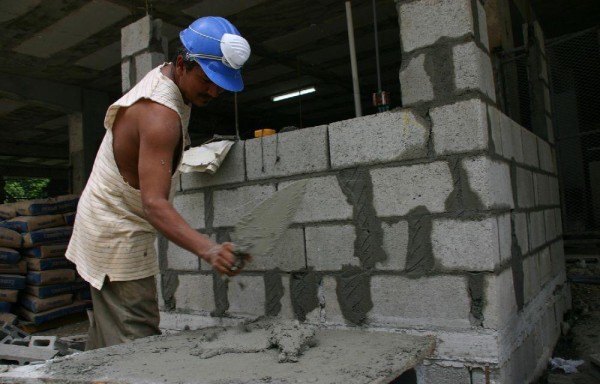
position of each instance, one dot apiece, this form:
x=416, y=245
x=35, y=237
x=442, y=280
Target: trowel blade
x=258, y=232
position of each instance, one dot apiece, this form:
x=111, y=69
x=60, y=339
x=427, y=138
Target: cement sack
x=66, y=203
x=10, y=238
x=53, y=276
x=69, y=218
x=12, y=282
x=8, y=211
x=206, y=158
x=45, y=291
x=35, y=264
x=56, y=313
x=36, y=304
x=9, y=255
x=44, y=251
x=36, y=207
x=47, y=236
x=19, y=268
x=9, y=295
x=33, y=223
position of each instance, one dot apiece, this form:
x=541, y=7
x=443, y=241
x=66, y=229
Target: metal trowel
x=258, y=232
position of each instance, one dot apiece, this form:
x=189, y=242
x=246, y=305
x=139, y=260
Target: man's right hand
x=223, y=259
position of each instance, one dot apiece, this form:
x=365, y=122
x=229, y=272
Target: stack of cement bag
x=50, y=287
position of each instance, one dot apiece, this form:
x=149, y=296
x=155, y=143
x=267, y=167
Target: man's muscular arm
x=160, y=136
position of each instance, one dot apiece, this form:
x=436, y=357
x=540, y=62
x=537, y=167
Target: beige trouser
x=123, y=311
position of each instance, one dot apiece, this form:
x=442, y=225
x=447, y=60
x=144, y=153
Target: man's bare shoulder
x=155, y=118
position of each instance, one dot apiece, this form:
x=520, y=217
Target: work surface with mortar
x=240, y=355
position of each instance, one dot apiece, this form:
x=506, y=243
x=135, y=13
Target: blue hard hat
x=218, y=47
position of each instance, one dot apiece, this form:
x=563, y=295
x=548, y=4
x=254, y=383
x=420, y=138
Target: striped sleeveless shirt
x=111, y=236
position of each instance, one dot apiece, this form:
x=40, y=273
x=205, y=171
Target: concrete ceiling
x=50, y=50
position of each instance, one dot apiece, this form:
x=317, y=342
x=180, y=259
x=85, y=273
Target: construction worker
x=128, y=195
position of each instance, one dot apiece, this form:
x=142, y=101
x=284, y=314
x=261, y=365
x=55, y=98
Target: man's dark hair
x=189, y=63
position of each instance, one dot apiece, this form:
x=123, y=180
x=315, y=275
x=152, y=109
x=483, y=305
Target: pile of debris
x=20, y=348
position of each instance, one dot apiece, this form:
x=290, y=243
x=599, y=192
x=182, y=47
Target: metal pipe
x=376, y=47
x=237, y=124
x=355, y=85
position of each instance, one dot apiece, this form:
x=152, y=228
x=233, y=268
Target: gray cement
x=304, y=291
x=263, y=352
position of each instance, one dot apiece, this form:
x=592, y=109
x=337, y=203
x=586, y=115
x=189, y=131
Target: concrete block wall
x=441, y=218
x=142, y=48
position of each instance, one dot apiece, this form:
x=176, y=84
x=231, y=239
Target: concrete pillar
x=142, y=48
x=445, y=52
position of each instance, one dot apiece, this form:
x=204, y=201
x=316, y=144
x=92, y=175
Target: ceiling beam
x=63, y=97
x=32, y=150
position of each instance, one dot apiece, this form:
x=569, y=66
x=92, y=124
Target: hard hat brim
x=227, y=78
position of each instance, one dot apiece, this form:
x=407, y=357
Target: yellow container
x=264, y=132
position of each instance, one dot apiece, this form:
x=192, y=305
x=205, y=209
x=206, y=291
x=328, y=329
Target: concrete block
x=500, y=303
x=505, y=237
x=398, y=190
x=537, y=229
x=512, y=141
x=553, y=186
x=136, y=36
x=191, y=207
x=232, y=170
x=559, y=227
x=494, y=118
x=423, y=302
x=231, y=204
x=531, y=277
x=490, y=180
x=195, y=293
x=526, y=196
x=247, y=295
x=460, y=127
x=557, y=253
x=541, y=184
x=473, y=70
x=288, y=255
x=323, y=201
x=483, y=28
x=550, y=225
x=530, y=148
x=329, y=247
x=145, y=62
x=546, y=158
x=423, y=23
x=379, y=138
x=126, y=75
x=285, y=154
x=24, y=355
x=466, y=245
x=395, y=245
x=522, y=231
x=159, y=293
x=433, y=373
x=287, y=311
x=545, y=264
x=416, y=83
x=180, y=259
x=48, y=342
x=332, y=311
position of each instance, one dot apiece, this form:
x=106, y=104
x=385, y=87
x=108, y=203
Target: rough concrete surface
x=245, y=354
